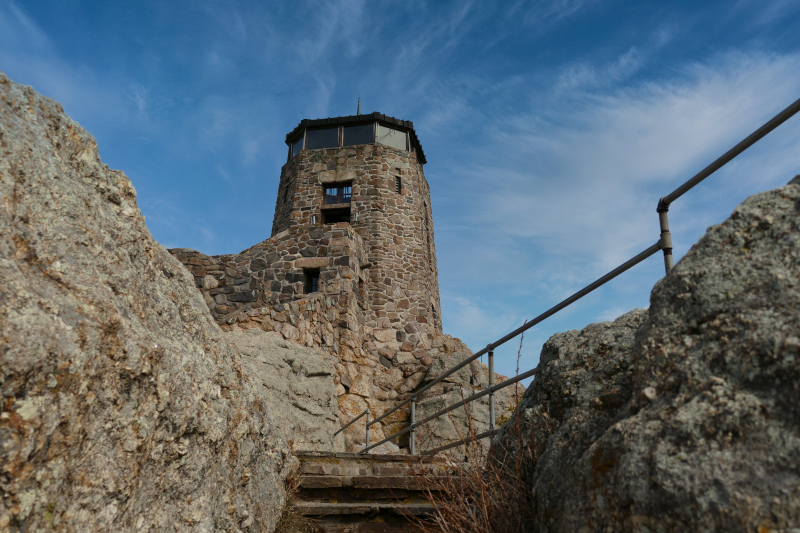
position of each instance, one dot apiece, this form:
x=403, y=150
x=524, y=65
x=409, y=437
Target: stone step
x=318, y=509
x=368, y=527
x=363, y=493
x=359, y=482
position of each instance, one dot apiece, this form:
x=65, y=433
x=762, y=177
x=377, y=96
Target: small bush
x=481, y=492
x=291, y=520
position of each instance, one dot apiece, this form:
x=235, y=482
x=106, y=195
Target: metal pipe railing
x=489, y=390
x=461, y=442
x=664, y=244
x=353, y=421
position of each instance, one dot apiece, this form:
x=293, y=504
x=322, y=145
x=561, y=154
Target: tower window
x=324, y=138
x=297, y=146
x=398, y=184
x=340, y=194
x=363, y=134
x=392, y=137
x=311, y=280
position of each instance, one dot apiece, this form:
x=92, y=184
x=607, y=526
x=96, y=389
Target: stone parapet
x=273, y=271
x=375, y=367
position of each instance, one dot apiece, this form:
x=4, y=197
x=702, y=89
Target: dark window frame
x=343, y=193
x=321, y=129
x=343, y=128
x=410, y=146
x=398, y=185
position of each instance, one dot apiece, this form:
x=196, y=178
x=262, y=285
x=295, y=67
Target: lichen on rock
x=703, y=433
x=298, y=386
x=124, y=406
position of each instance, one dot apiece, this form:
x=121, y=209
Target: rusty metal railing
x=664, y=244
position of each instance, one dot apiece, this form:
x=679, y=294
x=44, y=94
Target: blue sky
x=551, y=128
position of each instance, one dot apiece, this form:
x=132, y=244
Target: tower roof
x=361, y=119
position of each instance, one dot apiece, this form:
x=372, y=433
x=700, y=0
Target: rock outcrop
x=298, y=386
x=124, y=406
x=584, y=381
x=698, y=428
x=471, y=419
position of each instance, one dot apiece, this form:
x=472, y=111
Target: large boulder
x=298, y=386
x=124, y=407
x=585, y=377
x=709, y=437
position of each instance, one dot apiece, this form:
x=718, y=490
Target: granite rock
x=298, y=386
x=707, y=438
x=124, y=407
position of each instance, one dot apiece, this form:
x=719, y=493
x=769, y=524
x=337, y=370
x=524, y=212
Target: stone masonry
x=397, y=228
x=375, y=310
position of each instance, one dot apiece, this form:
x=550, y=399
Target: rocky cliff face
x=298, y=386
x=696, y=425
x=124, y=407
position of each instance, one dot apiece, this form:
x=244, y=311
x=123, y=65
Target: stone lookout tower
x=364, y=174
x=349, y=267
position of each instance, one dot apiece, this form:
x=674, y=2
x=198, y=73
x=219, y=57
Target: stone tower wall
x=397, y=229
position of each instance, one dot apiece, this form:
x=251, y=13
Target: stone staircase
x=354, y=493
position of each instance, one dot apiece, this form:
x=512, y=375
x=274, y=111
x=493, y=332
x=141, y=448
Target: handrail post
x=666, y=238
x=412, y=448
x=491, y=392
x=367, y=441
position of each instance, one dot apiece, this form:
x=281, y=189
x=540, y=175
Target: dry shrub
x=482, y=490
x=292, y=520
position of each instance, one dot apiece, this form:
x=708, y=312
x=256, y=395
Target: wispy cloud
x=573, y=192
x=595, y=165
x=545, y=12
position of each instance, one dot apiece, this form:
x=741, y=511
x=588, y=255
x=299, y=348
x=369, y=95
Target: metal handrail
x=353, y=421
x=664, y=244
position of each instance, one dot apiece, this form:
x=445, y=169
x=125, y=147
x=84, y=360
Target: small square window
x=311, y=280
x=340, y=194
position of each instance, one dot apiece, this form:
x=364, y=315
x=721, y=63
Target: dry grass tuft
x=481, y=493
x=292, y=521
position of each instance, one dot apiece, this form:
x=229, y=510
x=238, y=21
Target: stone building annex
x=350, y=267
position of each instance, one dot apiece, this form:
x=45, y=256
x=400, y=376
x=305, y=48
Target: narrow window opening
x=310, y=280
x=332, y=216
x=398, y=184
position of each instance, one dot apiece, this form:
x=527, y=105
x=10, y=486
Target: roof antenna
x=359, y=106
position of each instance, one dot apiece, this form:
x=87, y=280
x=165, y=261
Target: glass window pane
x=391, y=137
x=327, y=138
x=346, y=192
x=297, y=146
x=362, y=134
x=331, y=195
